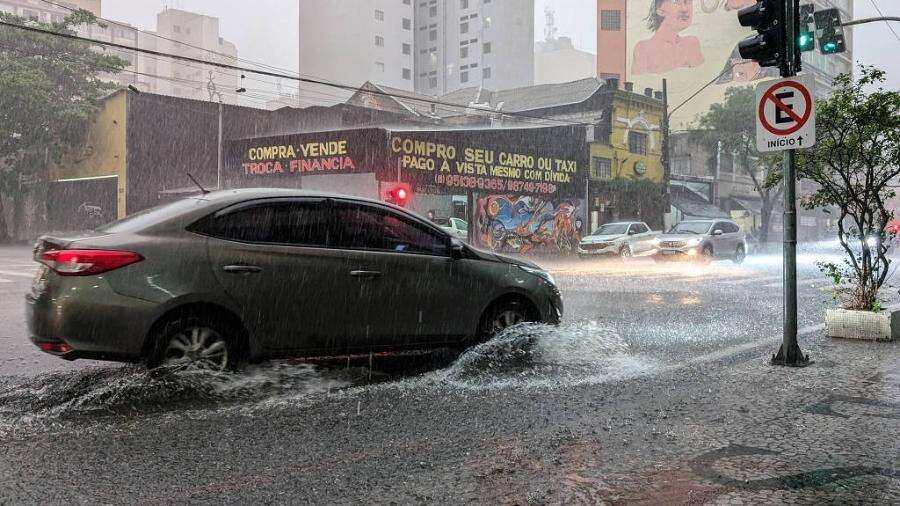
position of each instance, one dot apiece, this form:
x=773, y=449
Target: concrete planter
x=881, y=326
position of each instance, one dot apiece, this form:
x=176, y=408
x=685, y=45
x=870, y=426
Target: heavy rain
x=449, y=251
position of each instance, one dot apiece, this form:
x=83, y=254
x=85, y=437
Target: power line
x=891, y=28
x=278, y=75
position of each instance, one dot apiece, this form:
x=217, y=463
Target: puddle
x=524, y=356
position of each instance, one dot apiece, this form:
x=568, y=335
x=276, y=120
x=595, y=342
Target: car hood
x=494, y=257
x=680, y=237
x=592, y=239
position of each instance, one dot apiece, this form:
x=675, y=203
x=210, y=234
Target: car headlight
x=539, y=273
x=694, y=242
x=657, y=241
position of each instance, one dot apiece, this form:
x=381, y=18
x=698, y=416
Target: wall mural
x=524, y=224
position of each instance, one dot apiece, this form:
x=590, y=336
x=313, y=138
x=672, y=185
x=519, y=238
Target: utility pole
x=666, y=159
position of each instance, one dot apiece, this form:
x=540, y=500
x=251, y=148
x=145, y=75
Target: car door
x=401, y=274
x=645, y=242
x=719, y=238
x=270, y=256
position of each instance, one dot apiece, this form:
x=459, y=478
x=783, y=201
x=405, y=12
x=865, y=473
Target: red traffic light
x=398, y=194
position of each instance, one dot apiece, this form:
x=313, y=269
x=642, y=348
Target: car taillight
x=85, y=262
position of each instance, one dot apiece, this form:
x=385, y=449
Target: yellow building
x=627, y=174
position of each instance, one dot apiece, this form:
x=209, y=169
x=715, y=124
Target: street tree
x=730, y=126
x=855, y=165
x=50, y=89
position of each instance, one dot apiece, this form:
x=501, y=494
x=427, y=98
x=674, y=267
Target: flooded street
x=622, y=389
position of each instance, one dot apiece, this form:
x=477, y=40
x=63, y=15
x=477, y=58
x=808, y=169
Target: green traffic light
x=806, y=42
x=829, y=47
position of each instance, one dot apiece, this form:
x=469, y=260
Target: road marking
x=19, y=274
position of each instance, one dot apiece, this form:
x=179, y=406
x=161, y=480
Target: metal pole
x=219, y=182
x=789, y=354
x=666, y=160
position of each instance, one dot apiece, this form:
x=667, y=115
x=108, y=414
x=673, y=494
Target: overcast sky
x=266, y=30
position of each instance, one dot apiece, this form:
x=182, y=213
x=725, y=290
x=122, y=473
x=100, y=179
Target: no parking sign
x=785, y=114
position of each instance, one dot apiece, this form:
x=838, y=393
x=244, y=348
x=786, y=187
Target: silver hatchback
x=249, y=274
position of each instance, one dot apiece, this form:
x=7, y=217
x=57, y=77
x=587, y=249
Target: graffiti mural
x=525, y=224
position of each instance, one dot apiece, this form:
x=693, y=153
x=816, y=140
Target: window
x=379, y=15
x=463, y=4
x=369, y=228
x=726, y=161
x=639, y=228
x=486, y=48
x=460, y=224
x=464, y=52
x=611, y=21
x=486, y=73
x=432, y=34
x=432, y=82
x=432, y=11
x=681, y=164
x=464, y=76
x=407, y=74
x=407, y=49
x=286, y=222
x=637, y=142
x=464, y=27
x=601, y=168
x=379, y=41
x=407, y=24
x=379, y=66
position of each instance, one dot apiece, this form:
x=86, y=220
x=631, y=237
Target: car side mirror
x=717, y=232
x=457, y=248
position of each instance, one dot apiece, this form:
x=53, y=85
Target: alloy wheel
x=505, y=319
x=200, y=347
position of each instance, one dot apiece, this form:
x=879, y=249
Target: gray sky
x=266, y=30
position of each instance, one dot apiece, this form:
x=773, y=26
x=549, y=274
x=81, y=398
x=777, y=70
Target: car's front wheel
x=195, y=342
x=502, y=316
x=739, y=255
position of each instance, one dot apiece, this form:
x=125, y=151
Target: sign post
x=785, y=120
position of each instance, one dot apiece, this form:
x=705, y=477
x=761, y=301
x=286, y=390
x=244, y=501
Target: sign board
x=785, y=114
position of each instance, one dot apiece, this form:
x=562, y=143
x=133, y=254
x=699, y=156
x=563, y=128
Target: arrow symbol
x=800, y=140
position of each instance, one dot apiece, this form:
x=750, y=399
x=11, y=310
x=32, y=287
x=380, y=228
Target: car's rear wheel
x=196, y=342
x=739, y=255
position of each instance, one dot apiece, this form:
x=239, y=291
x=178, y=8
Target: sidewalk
x=745, y=433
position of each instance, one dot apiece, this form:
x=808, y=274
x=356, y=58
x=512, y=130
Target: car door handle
x=242, y=269
x=365, y=274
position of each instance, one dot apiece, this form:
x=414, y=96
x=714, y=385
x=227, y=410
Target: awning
x=752, y=205
x=693, y=207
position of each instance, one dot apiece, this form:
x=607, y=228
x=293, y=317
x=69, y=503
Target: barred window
x=611, y=21
x=601, y=168
x=637, y=142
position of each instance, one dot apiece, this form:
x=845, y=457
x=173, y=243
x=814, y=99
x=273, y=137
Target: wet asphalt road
x=495, y=424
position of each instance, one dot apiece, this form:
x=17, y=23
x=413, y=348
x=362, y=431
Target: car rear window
x=152, y=216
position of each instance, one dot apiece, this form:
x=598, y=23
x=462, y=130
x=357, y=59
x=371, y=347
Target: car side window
x=732, y=228
x=719, y=226
x=368, y=228
x=641, y=228
x=461, y=225
x=633, y=229
x=284, y=222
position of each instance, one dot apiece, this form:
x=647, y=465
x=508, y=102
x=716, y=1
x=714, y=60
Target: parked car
x=250, y=274
x=624, y=239
x=457, y=227
x=704, y=240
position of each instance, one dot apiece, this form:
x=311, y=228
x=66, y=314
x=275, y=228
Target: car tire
x=501, y=316
x=195, y=340
x=739, y=255
x=625, y=252
x=706, y=254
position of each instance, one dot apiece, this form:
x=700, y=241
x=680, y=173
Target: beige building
x=196, y=36
x=557, y=61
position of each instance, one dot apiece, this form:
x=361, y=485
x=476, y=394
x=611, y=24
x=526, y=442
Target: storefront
x=523, y=188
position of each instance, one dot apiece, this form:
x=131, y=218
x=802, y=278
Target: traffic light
x=806, y=36
x=767, y=47
x=399, y=194
x=831, y=40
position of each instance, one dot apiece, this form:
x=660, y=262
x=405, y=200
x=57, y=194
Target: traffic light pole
x=789, y=354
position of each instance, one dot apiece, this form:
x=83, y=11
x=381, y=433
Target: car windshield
x=151, y=216
x=691, y=227
x=612, y=229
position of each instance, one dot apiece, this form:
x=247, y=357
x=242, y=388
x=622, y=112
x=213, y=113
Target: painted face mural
x=526, y=224
x=666, y=50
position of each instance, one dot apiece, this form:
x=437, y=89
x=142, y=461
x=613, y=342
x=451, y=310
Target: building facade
x=689, y=43
x=350, y=43
x=557, y=61
x=463, y=43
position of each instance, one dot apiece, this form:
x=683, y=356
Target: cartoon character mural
x=666, y=50
x=525, y=224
